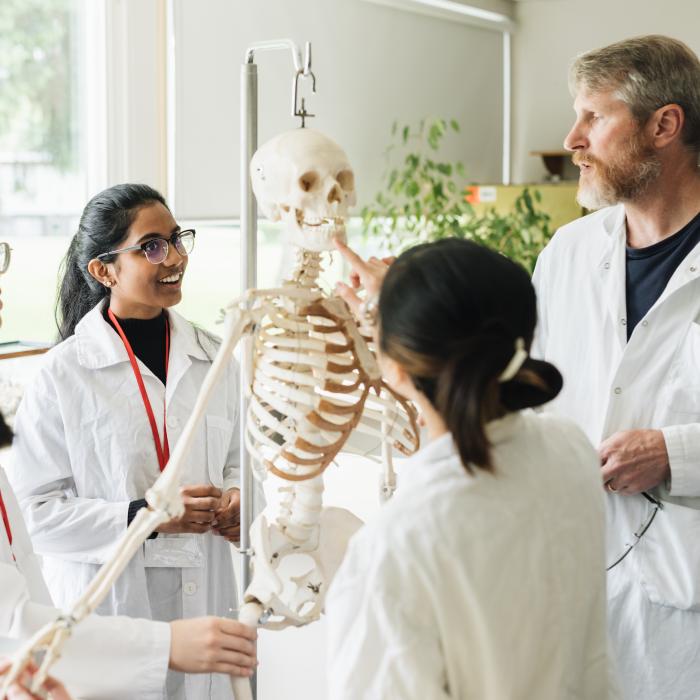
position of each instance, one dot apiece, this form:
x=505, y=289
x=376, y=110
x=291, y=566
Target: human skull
x=304, y=179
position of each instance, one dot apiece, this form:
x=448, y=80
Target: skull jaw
x=314, y=238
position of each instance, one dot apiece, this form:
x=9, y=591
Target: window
x=43, y=152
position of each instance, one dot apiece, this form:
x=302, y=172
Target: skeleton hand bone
x=20, y=690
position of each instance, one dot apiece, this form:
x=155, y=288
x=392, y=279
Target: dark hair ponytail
x=450, y=313
x=467, y=393
x=104, y=223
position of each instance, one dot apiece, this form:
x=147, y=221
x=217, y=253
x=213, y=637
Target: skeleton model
x=313, y=381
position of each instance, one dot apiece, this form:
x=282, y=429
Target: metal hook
x=301, y=112
x=304, y=72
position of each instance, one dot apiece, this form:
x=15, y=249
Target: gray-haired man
x=619, y=294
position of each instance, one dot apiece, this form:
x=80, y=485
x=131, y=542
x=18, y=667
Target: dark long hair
x=104, y=224
x=5, y=433
x=450, y=313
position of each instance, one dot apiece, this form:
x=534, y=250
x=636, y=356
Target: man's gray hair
x=646, y=73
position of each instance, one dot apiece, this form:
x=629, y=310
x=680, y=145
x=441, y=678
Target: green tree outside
x=37, y=40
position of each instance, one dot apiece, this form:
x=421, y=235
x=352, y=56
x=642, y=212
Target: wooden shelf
x=554, y=161
x=18, y=348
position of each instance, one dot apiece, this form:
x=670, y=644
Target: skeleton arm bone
x=249, y=615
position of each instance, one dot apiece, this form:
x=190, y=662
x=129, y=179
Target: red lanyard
x=6, y=520
x=163, y=451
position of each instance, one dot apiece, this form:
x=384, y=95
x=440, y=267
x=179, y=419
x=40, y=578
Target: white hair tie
x=516, y=362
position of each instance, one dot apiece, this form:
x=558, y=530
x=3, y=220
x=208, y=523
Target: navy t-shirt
x=649, y=270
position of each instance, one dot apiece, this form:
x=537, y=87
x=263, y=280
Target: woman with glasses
x=96, y=426
x=483, y=577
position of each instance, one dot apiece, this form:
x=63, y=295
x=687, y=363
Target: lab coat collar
x=98, y=346
x=612, y=271
x=613, y=220
x=440, y=458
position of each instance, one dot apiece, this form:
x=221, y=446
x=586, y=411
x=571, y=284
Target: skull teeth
x=321, y=222
x=318, y=221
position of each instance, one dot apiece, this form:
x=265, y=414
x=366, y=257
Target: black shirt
x=147, y=339
x=649, y=270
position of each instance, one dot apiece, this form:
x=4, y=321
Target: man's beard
x=622, y=179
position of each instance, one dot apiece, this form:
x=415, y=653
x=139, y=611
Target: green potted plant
x=423, y=199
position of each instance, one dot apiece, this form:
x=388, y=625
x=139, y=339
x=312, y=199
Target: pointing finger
x=349, y=296
x=353, y=259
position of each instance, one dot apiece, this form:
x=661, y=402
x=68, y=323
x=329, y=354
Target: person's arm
x=639, y=460
x=380, y=644
x=367, y=275
x=120, y=657
x=61, y=523
x=19, y=691
x=105, y=657
x=683, y=448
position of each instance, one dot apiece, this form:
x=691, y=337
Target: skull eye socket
x=346, y=179
x=308, y=181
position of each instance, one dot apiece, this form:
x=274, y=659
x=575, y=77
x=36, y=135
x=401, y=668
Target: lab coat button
x=607, y=266
x=618, y=390
x=623, y=321
x=190, y=588
x=173, y=422
x=645, y=323
x=693, y=268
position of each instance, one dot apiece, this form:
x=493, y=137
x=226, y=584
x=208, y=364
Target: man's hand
x=212, y=645
x=201, y=502
x=634, y=461
x=228, y=516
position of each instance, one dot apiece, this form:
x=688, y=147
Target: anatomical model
x=314, y=387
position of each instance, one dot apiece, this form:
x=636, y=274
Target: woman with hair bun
x=484, y=576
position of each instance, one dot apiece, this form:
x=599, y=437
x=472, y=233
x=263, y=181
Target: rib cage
x=314, y=385
x=312, y=377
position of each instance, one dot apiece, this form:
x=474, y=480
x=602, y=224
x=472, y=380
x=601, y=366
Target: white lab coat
x=610, y=384
x=83, y=450
x=484, y=586
x=114, y=658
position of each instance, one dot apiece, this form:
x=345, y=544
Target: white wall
x=550, y=34
x=134, y=93
x=373, y=64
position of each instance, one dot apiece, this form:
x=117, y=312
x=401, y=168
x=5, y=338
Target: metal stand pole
x=249, y=244
x=249, y=247
x=249, y=142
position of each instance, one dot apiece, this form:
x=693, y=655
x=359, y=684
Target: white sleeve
x=106, y=657
x=60, y=523
x=683, y=447
x=381, y=645
x=539, y=282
